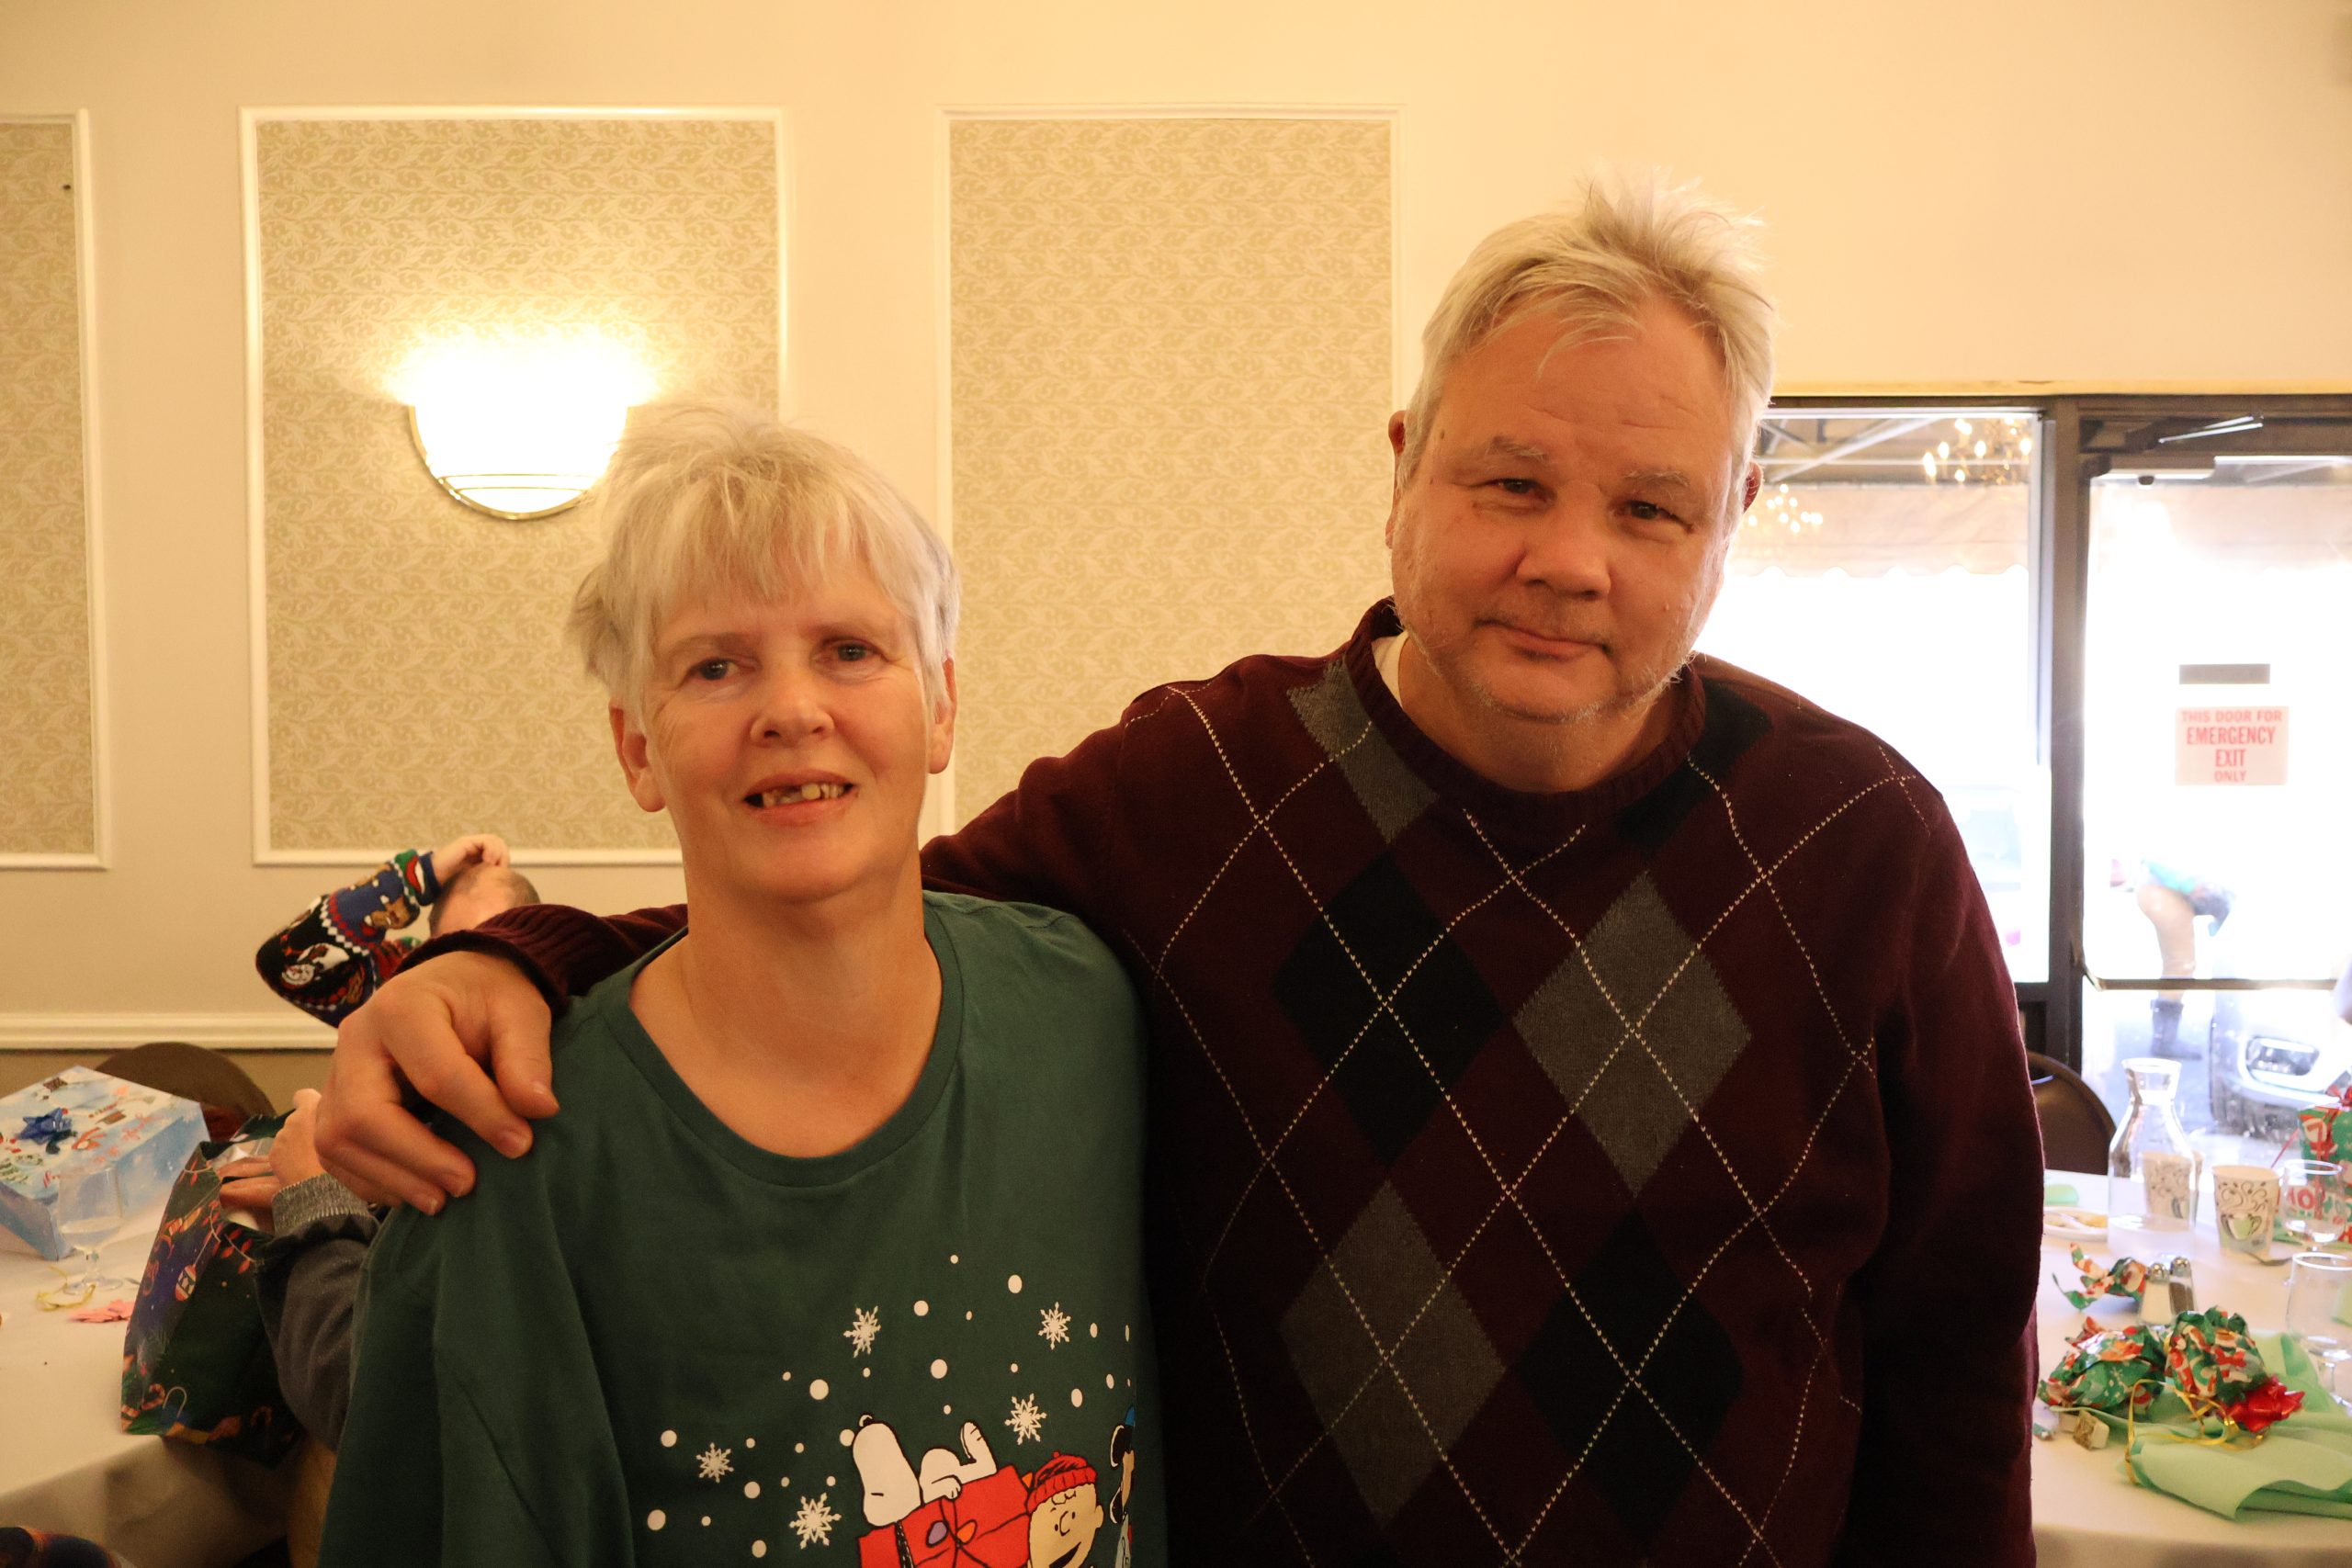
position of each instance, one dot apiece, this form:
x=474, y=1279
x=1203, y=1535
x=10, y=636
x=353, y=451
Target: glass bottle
x=2153, y=1170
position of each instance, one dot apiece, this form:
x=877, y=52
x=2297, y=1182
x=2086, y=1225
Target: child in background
x=332, y=957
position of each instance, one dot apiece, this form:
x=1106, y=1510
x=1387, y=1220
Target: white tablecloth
x=65, y=1462
x=163, y=1504
x=2087, y=1513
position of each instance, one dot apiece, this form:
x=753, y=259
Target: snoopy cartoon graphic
x=959, y=1508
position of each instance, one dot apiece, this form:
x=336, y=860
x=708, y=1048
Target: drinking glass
x=2312, y=1202
x=2319, y=1312
x=95, y=1214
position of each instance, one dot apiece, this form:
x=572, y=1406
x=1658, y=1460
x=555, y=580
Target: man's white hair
x=1594, y=265
x=707, y=500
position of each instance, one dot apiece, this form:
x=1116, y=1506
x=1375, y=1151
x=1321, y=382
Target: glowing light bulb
x=520, y=426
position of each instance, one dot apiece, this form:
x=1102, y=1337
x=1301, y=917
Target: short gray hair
x=1595, y=263
x=703, y=499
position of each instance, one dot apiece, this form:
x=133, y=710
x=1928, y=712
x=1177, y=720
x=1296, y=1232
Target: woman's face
x=789, y=741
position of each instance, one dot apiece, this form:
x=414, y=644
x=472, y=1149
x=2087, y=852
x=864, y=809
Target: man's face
x=1062, y=1530
x=1560, y=542
x=789, y=741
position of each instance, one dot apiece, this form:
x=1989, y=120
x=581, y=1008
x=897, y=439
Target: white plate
x=2066, y=1222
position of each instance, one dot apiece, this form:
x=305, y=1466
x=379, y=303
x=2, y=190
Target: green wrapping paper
x=2319, y=1125
x=2128, y=1279
x=2208, y=1354
x=2109, y=1371
x=2302, y=1467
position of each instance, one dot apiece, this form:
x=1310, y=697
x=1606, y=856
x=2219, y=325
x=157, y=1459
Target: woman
x=836, y=1245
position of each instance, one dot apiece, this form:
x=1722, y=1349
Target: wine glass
x=2313, y=1203
x=97, y=1216
x=2319, y=1312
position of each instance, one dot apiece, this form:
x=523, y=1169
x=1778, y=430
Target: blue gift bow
x=50, y=1127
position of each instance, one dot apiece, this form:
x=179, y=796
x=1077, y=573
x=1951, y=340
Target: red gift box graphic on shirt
x=984, y=1526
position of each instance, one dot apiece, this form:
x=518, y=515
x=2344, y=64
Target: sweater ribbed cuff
x=315, y=1198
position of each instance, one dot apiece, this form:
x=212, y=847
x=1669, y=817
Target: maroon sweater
x=1647, y=1173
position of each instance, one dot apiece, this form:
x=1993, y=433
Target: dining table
x=65, y=1462
x=2088, y=1511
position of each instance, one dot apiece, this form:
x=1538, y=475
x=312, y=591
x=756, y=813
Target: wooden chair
x=192, y=1072
x=2076, y=1126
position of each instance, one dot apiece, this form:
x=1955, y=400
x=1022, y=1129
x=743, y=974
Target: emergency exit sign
x=2231, y=746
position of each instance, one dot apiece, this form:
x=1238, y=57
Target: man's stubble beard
x=1637, y=689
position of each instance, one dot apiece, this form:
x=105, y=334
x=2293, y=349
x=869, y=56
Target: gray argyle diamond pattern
x=1384, y=1290
x=1390, y=793
x=1636, y=1007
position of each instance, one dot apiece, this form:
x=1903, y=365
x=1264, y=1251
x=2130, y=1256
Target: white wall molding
x=940, y=809
x=526, y=858
x=249, y=119
x=86, y=261
x=281, y=1028
x=86, y=212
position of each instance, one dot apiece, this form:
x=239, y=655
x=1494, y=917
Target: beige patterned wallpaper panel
x=1170, y=374
x=417, y=686
x=48, y=804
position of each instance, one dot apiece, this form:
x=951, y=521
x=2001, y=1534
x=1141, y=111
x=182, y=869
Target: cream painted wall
x=2106, y=191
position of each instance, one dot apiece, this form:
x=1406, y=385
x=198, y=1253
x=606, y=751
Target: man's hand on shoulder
x=429, y=1029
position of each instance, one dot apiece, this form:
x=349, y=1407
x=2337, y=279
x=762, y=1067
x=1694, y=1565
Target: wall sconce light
x=519, y=429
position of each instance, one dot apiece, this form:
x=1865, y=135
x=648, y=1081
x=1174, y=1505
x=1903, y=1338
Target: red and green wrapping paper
x=2205, y=1359
x=2109, y=1371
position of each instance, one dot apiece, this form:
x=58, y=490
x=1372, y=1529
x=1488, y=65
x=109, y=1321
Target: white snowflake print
x=1053, y=1325
x=815, y=1521
x=1026, y=1420
x=864, y=1324
x=714, y=1463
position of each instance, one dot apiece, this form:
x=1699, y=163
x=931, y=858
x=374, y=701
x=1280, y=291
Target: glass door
x=2217, y=760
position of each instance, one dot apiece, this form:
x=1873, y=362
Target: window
x=2217, y=771
x=2121, y=647
x=1910, y=533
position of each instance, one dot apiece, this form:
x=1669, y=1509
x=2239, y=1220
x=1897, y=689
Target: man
x=332, y=955
x=1588, y=1117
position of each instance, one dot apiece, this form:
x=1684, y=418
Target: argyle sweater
x=1646, y=1174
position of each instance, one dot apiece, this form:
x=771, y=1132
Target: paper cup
x=2245, y=1204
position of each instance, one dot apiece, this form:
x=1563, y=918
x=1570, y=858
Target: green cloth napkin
x=2302, y=1466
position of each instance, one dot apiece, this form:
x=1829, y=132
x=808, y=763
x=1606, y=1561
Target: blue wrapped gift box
x=81, y=1150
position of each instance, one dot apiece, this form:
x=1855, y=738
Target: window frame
x=2076, y=447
